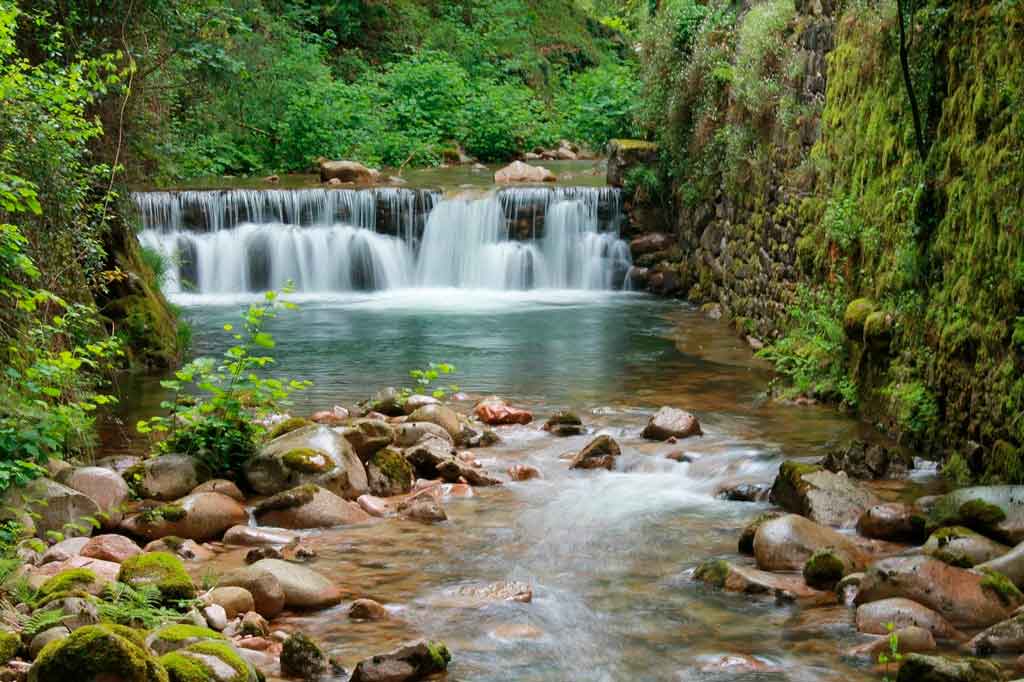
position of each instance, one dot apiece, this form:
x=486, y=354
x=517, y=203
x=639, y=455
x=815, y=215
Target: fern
x=41, y=621
x=137, y=607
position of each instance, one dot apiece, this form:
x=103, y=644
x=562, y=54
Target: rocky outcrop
x=313, y=454
x=820, y=495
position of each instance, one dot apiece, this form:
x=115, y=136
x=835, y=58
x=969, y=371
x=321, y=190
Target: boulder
x=599, y=453
x=162, y=570
x=77, y=573
x=64, y=550
x=826, y=568
x=176, y=636
x=219, y=485
x=892, y=521
x=406, y=664
x=869, y=461
x=442, y=416
x=301, y=658
x=652, y=242
x=186, y=550
x=820, y=495
x=308, y=506
x=118, y=463
x=912, y=639
x=494, y=411
x=52, y=506
x=669, y=422
x=367, y=609
x=923, y=668
x=564, y=424
x=255, y=625
x=786, y=543
x=97, y=652
x=874, y=618
x=312, y=454
x=454, y=470
x=418, y=400
x=76, y=612
x=745, y=545
x=199, y=517
x=424, y=509
x=235, y=601
x=167, y=477
x=959, y=546
x=105, y=487
x=115, y=548
x=53, y=634
x=266, y=590
x=348, y=171
x=427, y=454
x=1006, y=637
x=411, y=433
x=209, y=661
x=216, y=617
x=996, y=511
x=303, y=587
x=250, y=536
x=517, y=171
x=964, y=598
x=389, y=473
x=367, y=436
x=746, y=580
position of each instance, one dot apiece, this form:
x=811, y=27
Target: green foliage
x=813, y=354
x=138, y=607
x=893, y=656
x=600, y=104
x=212, y=413
x=914, y=406
x=425, y=379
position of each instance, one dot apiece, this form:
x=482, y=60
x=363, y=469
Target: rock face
x=348, y=171
x=303, y=587
x=52, y=506
x=411, y=662
x=309, y=506
x=959, y=546
x=964, y=598
x=199, y=517
x=892, y=521
x=668, y=422
x=996, y=511
x=922, y=668
x=494, y=411
x=599, y=453
x=103, y=486
x=167, y=477
x=869, y=461
x=820, y=495
x=312, y=454
x=874, y=618
x=786, y=544
x=97, y=652
x=517, y=171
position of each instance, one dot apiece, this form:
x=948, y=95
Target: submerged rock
x=599, y=453
x=564, y=424
x=820, y=495
x=312, y=454
x=406, y=664
x=523, y=472
x=424, y=509
x=669, y=422
x=367, y=609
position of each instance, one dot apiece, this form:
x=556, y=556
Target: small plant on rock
x=425, y=379
x=893, y=655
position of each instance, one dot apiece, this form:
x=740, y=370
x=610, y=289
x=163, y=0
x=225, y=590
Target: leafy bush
x=600, y=104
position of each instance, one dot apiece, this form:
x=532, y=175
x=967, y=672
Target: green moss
x=1002, y=586
x=626, y=144
x=393, y=465
x=440, y=656
x=182, y=631
x=96, y=652
x=713, y=572
x=981, y=514
x=287, y=426
x=308, y=460
x=183, y=668
x=161, y=569
x=10, y=643
x=64, y=594
x=302, y=658
x=1005, y=464
x=68, y=581
x=165, y=512
x=289, y=499
x=856, y=315
x=226, y=653
x=824, y=569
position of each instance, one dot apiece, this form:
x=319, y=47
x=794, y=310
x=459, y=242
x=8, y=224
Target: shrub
x=600, y=104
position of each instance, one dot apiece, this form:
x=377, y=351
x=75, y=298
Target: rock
x=255, y=625
x=786, y=543
x=78, y=612
x=825, y=569
x=104, y=487
x=266, y=590
x=389, y=473
x=564, y=424
x=892, y=521
x=115, y=548
x=216, y=617
x=599, y=453
x=820, y=495
x=303, y=587
x=336, y=416
x=199, y=517
x=234, y=600
x=624, y=155
x=911, y=639
x=302, y=658
x=257, y=553
x=411, y=433
x=424, y=509
x=523, y=472
x=411, y=662
x=848, y=587
x=517, y=171
x=733, y=578
x=52, y=506
x=250, y=536
x=64, y=550
x=959, y=546
x=994, y=511
x=417, y=400
x=367, y=609
x=743, y=492
x=54, y=634
x=162, y=570
x=857, y=312
x=312, y=454
x=375, y=506
x=187, y=550
x=97, y=652
x=77, y=574
x=211, y=661
x=428, y=454
x=869, y=461
x=668, y=422
x=453, y=471
x=964, y=598
x=367, y=436
x=745, y=545
x=875, y=617
x=387, y=401
x=348, y=171
x=494, y=411
x=219, y=485
x=922, y=668
x=119, y=463
x=1001, y=638
x=308, y=506
x=167, y=477
x=651, y=242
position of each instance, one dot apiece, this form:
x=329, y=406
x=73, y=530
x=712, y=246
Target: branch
x=922, y=147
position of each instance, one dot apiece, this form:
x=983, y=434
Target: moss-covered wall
x=823, y=190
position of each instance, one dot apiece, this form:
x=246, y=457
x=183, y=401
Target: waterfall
x=237, y=241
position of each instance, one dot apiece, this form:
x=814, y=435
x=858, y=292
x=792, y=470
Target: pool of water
x=607, y=554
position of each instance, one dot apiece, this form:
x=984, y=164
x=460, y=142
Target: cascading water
x=328, y=241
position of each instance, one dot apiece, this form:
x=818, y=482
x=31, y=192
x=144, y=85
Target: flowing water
x=534, y=314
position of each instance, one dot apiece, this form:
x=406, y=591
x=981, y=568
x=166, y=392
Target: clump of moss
x=1002, y=586
x=856, y=315
x=63, y=594
x=10, y=643
x=72, y=580
x=981, y=514
x=713, y=572
x=440, y=656
x=1004, y=464
x=184, y=668
x=307, y=460
x=96, y=652
x=227, y=654
x=824, y=569
x=302, y=658
x=287, y=426
x=394, y=467
x=180, y=632
x=165, y=512
x=161, y=569
x=289, y=499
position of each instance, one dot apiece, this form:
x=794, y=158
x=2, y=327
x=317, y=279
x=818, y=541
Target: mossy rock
x=856, y=315
x=714, y=572
x=287, y=426
x=72, y=580
x=179, y=636
x=289, y=499
x=97, y=652
x=149, y=327
x=10, y=644
x=878, y=328
x=163, y=570
x=1002, y=587
x=308, y=461
x=922, y=668
x=824, y=569
x=746, y=541
x=962, y=547
x=209, y=661
x=389, y=473
x=789, y=489
x=302, y=658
